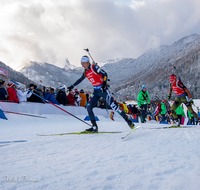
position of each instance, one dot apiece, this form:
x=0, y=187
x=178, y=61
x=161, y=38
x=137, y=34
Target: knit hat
x=81, y=91
x=76, y=90
x=85, y=59
x=20, y=86
x=143, y=87
x=63, y=87
x=11, y=84
x=30, y=85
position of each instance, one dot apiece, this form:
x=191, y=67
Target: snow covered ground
x=150, y=159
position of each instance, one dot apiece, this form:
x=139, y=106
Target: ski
x=2, y=145
x=79, y=133
x=25, y=114
x=131, y=132
x=168, y=127
x=3, y=142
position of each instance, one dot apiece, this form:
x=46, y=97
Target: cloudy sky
x=55, y=30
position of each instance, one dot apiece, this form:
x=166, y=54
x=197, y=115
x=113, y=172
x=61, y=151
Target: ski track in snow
x=149, y=159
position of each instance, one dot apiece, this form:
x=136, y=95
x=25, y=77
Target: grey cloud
x=51, y=31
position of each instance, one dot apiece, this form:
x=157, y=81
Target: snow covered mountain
x=54, y=76
x=184, y=55
x=68, y=66
x=101, y=64
x=14, y=75
x=127, y=75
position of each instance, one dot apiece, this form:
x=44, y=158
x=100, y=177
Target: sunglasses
x=83, y=63
x=172, y=80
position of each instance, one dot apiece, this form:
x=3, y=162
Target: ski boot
x=130, y=123
x=176, y=123
x=94, y=127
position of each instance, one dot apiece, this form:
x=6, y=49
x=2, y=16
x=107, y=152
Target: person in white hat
x=22, y=93
x=98, y=78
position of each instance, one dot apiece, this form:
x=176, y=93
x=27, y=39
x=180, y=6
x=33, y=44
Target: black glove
x=104, y=86
x=70, y=87
x=169, y=96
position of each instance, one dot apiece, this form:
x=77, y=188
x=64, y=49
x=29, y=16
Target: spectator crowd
x=10, y=92
x=145, y=109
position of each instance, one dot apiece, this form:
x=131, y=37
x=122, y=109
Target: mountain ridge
x=14, y=75
x=127, y=75
x=156, y=77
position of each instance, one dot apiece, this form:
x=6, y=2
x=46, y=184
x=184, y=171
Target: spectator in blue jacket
x=196, y=121
x=50, y=97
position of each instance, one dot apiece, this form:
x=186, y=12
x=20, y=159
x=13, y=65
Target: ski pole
x=179, y=78
x=49, y=102
x=93, y=62
x=6, y=100
x=196, y=106
x=24, y=114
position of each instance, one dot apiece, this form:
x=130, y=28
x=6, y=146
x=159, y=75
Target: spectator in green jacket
x=180, y=113
x=163, y=110
x=143, y=101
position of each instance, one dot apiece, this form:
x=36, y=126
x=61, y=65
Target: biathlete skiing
x=98, y=78
x=182, y=96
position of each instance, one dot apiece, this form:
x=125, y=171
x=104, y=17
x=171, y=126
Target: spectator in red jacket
x=71, y=99
x=12, y=93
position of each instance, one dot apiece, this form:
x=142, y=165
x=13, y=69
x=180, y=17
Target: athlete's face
x=144, y=90
x=172, y=79
x=85, y=65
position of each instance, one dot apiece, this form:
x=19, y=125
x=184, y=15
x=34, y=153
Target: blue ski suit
x=97, y=77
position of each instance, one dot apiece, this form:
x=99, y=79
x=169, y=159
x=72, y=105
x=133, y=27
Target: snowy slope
x=150, y=159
